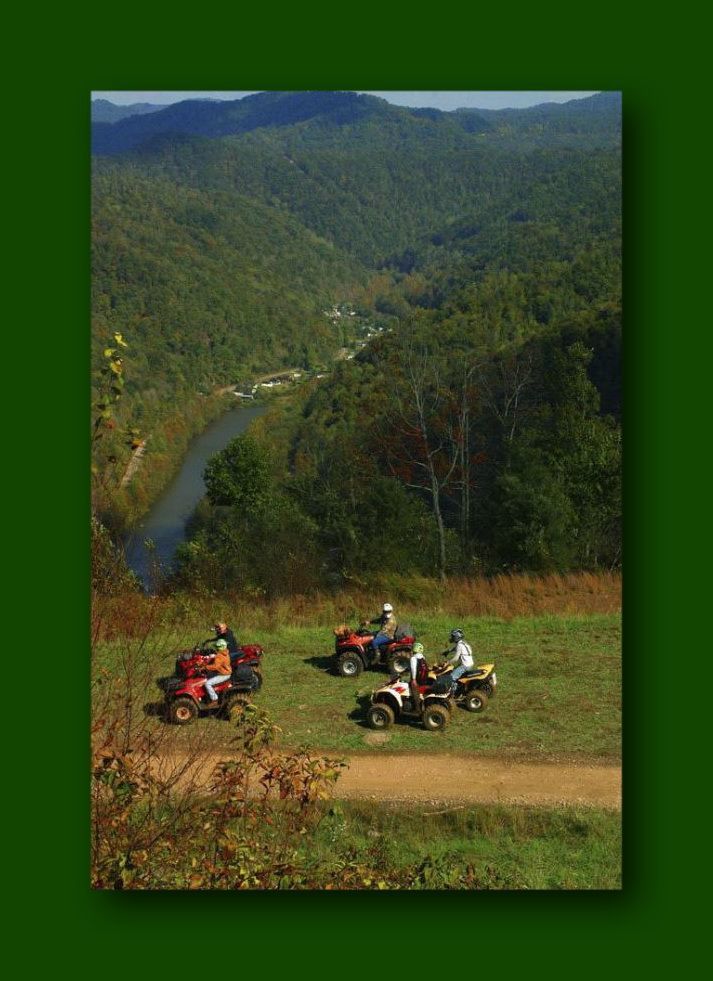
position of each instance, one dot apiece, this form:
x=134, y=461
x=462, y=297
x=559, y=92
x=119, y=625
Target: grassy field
x=488, y=847
x=558, y=694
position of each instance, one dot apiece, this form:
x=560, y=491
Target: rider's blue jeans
x=381, y=640
x=218, y=680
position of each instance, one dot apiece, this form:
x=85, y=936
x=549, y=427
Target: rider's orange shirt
x=221, y=664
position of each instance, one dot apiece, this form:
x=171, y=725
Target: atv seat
x=442, y=684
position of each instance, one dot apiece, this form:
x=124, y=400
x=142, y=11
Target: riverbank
x=165, y=521
x=159, y=465
x=122, y=502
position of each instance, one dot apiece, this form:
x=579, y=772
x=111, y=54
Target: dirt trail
x=433, y=779
x=134, y=462
x=454, y=779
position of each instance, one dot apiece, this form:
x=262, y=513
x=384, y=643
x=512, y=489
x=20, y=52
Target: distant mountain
x=207, y=117
x=104, y=111
x=590, y=122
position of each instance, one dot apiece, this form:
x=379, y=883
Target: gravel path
x=483, y=779
x=457, y=779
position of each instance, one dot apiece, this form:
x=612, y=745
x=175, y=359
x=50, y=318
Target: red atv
x=185, y=693
x=190, y=663
x=354, y=653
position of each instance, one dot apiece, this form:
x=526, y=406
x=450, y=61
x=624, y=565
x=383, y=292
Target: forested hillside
x=480, y=431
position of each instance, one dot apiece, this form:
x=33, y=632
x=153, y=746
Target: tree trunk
x=439, y=524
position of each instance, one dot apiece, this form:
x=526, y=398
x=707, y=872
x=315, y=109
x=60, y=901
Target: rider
x=221, y=664
x=223, y=632
x=462, y=655
x=386, y=631
x=419, y=674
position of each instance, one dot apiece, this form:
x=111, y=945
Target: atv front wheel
x=234, y=707
x=182, y=711
x=349, y=665
x=258, y=674
x=380, y=716
x=435, y=717
x=476, y=700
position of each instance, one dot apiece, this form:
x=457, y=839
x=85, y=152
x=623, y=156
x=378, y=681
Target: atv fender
x=355, y=650
x=390, y=699
x=437, y=700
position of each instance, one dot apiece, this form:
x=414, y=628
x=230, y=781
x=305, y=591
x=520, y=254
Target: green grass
x=487, y=847
x=558, y=693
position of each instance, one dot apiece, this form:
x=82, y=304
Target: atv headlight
x=493, y=679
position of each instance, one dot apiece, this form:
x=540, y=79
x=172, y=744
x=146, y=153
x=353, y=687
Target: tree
x=238, y=476
x=556, y=498
x=424, y=435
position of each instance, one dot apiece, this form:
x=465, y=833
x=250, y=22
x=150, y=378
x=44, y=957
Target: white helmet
x=388, y=608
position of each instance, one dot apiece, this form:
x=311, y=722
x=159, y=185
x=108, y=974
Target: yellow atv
x=473, y=689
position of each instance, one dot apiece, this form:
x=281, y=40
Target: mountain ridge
x=102, y=110
x=268, y=110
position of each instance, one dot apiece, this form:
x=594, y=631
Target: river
x=165, y=523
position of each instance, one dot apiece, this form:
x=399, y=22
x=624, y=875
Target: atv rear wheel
x=380, y=716
x=349, y=665
x=182, y=711
x=435, y=717
x=398, y=663
x=476, y=700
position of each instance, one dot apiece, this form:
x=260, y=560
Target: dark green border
x=340, y=47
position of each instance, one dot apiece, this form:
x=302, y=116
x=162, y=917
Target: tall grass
x=503, y=596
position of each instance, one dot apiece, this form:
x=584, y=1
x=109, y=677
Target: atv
x=473, y=689
x=354, y=654
x=193, y=662
x=184, y=691
x=393, y=702
x=186, y=698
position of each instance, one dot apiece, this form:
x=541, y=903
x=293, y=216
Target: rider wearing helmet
x=221, y=667
x=223, y=632
x=386, y=631
x=462, y=654
x=419, y=674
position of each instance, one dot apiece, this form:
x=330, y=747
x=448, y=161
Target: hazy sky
x=438, y=100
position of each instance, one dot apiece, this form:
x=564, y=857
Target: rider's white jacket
x=413, y=665
x=462, y=655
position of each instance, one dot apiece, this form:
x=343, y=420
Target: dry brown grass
x=527, y=595
x=504, y=596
